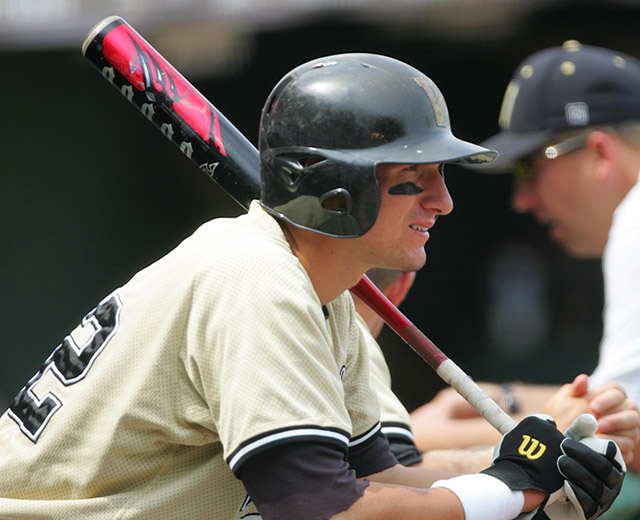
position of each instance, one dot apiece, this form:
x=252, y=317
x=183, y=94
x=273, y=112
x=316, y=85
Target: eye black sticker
x=406, y=188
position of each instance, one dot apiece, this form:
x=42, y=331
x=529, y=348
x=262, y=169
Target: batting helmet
x=328, y=123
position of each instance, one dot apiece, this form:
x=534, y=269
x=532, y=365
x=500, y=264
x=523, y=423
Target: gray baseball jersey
x=147, y=408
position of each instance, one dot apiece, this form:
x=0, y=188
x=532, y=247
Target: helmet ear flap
x=321, y=190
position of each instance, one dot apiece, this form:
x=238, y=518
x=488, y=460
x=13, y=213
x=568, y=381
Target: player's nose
x=436, y=196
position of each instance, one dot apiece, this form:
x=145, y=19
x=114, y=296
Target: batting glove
x=593, y=469
x=526, y=458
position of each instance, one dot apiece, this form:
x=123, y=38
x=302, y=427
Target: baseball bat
x=209, y=139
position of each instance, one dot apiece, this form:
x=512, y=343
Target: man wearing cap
x=570, y=132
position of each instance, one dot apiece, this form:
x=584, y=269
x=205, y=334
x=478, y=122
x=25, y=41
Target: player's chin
x=414, y=260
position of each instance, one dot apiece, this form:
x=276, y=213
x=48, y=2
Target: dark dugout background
x=90, y=193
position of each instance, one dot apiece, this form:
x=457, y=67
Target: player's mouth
x=422, y=229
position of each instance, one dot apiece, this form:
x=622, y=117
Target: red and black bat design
x=175, y=107
x=206, y=137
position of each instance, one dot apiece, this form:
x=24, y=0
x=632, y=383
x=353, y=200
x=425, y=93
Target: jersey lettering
x=70, y=363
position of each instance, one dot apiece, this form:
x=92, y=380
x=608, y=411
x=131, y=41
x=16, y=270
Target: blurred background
x=90, y=192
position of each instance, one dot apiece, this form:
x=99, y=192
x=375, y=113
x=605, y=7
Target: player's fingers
x=579, y=386
x=585, y=425
x=609, y=400
x=605, y=387
x=627, y=456
x=626, y=422
x=602, y=459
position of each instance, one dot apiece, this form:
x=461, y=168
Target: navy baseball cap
x=562, y=89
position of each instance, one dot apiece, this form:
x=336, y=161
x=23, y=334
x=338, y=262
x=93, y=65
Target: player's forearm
x=471, y=460
x=385, y=501
x=418, y=477
x=452, y=434
x=447, y=422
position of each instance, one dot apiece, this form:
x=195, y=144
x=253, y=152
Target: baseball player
x=230, y=378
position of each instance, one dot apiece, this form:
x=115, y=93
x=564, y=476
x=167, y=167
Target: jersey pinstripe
x=218, y=349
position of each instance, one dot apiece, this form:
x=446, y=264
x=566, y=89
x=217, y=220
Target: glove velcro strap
x=513, y=476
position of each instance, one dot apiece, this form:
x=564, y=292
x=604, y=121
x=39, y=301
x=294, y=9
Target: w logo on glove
x=530, y=451
x=525, y=457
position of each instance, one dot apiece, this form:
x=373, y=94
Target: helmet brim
x=436, y=148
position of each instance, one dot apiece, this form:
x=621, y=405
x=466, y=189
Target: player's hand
x=617, y=415
x=568, y=402
x=526, y=457
x=594, y=470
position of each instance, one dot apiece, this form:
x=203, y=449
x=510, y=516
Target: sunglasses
x=522, y=168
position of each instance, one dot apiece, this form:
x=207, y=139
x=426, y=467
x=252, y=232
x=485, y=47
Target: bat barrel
x=175, y=107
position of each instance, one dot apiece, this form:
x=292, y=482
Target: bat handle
x=451, y=373
x=475, y=396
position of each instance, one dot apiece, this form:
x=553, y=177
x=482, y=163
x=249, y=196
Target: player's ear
x=399, y=289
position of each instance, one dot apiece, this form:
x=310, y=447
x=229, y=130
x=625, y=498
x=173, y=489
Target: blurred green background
x=90, y=192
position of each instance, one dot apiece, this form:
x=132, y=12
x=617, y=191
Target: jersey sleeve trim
x=397, y=430
x=364, y=437
x=277, y=438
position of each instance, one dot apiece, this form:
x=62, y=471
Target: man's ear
x=399, y=289
x=604, y=147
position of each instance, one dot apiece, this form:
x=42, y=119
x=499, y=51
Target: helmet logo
x=437, y=101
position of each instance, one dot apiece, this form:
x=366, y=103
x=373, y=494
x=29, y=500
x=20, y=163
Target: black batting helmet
x=327, y=125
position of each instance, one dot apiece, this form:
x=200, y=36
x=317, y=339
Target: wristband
x=508, y=401
x=484, y=497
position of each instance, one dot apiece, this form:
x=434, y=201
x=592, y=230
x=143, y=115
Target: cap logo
x=577, y=114
x=437, y=101
x=509, y=100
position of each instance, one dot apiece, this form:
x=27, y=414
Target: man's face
x=413, y=196
x=564, y=193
